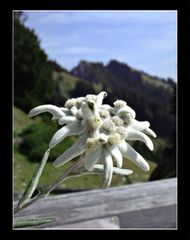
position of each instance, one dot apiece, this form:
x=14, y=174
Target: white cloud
x=58, y=41
x=62, y=17
x=61, y=50
x=83, y=50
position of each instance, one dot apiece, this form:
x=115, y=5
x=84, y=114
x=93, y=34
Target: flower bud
x=118, y=104
x=122, y=131
x=104, y=113
x=117, y=120
x=128, y=119
x=91, y=143
x=108, y=126
x=95, y=122
x=123, y=111
x=71, y=103
x=114, y=138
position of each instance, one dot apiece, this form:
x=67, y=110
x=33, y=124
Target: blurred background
x=58, y=55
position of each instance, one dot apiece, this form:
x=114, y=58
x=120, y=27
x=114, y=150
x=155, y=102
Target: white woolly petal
x=75, y=150
x=79, y=114
x=100, y=98
x=119, y=171
x=79, y=100
x=150, y=132
x=87, y=111
x=91, y=97
x=95, y=134
x=74, y=110
x=66, y=120
x=137, y=135
x=65, y=110
x=108, y=169
x=69, y=130
x=126, y=110
x=140, y=126
x=91, y=157
x=128, y=152
x=54, y=110
x=106, y=107
x=115, y=152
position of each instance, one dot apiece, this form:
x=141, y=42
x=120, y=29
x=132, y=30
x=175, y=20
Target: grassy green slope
x=155, y=82
x=67, y=82
x=21, y=120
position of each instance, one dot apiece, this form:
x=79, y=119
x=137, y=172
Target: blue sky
x=145, y=40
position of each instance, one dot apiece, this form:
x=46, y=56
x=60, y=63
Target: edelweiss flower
x=103, y=133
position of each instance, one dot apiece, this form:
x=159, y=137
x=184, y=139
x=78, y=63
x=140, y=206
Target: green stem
x=34, y=181
x=63, y=177
x=57, y=182
x=49, y=188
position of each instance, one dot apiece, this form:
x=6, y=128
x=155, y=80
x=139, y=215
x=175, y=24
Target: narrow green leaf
x=27, y=222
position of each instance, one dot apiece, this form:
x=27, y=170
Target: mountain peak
x=85, y=68
x=88, y=63
x=115, y=63
x=114, y=69
x=83, y=62
x=81, y=68
x=119, y=68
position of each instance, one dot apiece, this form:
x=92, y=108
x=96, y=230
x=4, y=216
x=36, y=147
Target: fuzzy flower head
x=103, y=134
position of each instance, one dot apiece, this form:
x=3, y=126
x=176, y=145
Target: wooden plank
x=105, y=223
x=160, y=217
x=101, y=223
x=83, y=206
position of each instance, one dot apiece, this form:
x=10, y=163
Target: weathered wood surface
x=141, y=205
x=100, y=223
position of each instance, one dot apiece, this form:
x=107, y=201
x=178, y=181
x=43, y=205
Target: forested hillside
x=150, y=96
